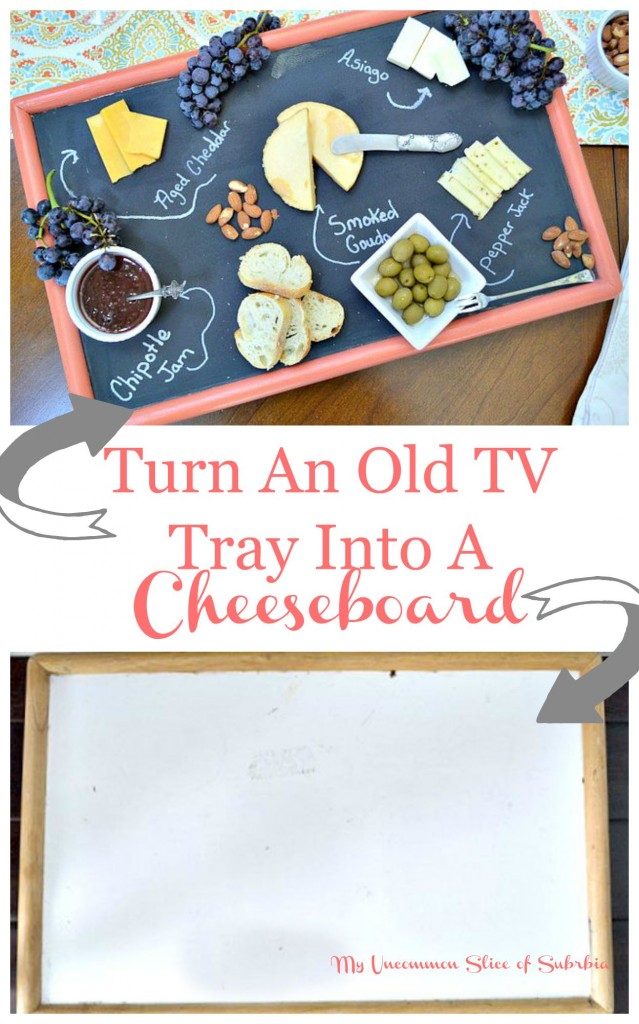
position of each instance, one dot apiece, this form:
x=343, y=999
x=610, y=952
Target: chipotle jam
x=103, y=295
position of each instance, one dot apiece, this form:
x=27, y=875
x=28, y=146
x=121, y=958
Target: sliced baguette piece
x=297, y=343
x=325, y=316
x=270, y=268
x=263, y=321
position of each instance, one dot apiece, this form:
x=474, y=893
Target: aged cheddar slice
x=504, y=155
x=408, y=42
x=116, y=117
x=145, y=135
x=463, y=195
x=460, y=171
x=288, y=161
x=484, y=161
x=327, y=123
x=116, y=165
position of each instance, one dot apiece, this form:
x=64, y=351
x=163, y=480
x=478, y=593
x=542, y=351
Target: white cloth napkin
x=605, y=398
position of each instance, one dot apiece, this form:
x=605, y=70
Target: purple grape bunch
x=508, y=47
x=226, y=59
x=82, y=224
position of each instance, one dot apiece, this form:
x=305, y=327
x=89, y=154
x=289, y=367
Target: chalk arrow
x=574, y=700
x=67, y=154
x=342, y=263
x=421, y=96
x=461, y=218
x=93, y=422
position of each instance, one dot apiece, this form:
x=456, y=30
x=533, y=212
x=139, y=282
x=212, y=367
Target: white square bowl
x=421, y=334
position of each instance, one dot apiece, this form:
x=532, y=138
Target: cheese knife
x=443, y=143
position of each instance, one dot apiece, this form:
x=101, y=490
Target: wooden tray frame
x=607, y=285
x=41, y=667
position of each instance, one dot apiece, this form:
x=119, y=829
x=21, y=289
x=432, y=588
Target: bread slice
x=326, y=124
x=270, y=268
x=263, y=321
x=288, y=161
x=325, y=316
x=298, y=337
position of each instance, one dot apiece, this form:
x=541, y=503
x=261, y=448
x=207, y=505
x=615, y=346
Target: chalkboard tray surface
x=187, y=364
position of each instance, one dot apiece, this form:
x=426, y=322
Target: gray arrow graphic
x=575, y=700
x=91, y=422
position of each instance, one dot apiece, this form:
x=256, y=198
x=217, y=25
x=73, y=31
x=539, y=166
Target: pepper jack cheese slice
x=481, y=178
x=484, y=161
x=463, y=195
x=460, y=171
x=288, y=161
x=505, y=156
x=327, y=123
x=116, y=165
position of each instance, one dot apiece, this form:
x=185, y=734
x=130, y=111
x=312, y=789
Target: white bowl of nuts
x=608, y=51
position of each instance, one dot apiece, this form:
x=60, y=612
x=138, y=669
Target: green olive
x=437, y=254
x=453, y=289
x=402, y=250
x=418, y=259
x=420, y=244
x=424, y=273
x=434, y=307
x=443, y=269
x=407, y=264
x=389, y=268
x=413, y=313
x=437, y=287
x=386, y=286
x=407, y=278
x=420, y=293
x=402, y=298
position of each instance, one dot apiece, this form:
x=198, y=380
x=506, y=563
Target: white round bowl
x=73, y=304
x=598, y=63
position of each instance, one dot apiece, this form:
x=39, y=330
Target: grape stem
x=242, y=43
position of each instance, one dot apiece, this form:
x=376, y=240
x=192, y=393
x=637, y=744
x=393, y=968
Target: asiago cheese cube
x=288, y=162
x=408, y=42
x=327, y=123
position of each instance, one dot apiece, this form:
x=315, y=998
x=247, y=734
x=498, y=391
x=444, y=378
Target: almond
x=561, y=241
x=237, y=186
x=252, y=210
x=225, y=216
x=235, y=201
x=213, y=214
x=275, y=214
x=588, y=261
x=578, y=235
x=250, y=196
x=230, y=232
x=570, y=224
x=266, y=221
x=252, y=233
x=243, y=220
x=551, y=233
x=561, y=259
x=568, y=251
x=576, y=250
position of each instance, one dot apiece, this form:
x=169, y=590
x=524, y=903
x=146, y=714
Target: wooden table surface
x=528, y=375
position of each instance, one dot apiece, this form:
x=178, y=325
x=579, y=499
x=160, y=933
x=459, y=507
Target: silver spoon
x=167, y=291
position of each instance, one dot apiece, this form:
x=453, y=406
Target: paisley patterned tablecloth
x=52, y=47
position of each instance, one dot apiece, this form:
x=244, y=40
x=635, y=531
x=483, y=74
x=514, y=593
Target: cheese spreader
x=443, y=143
